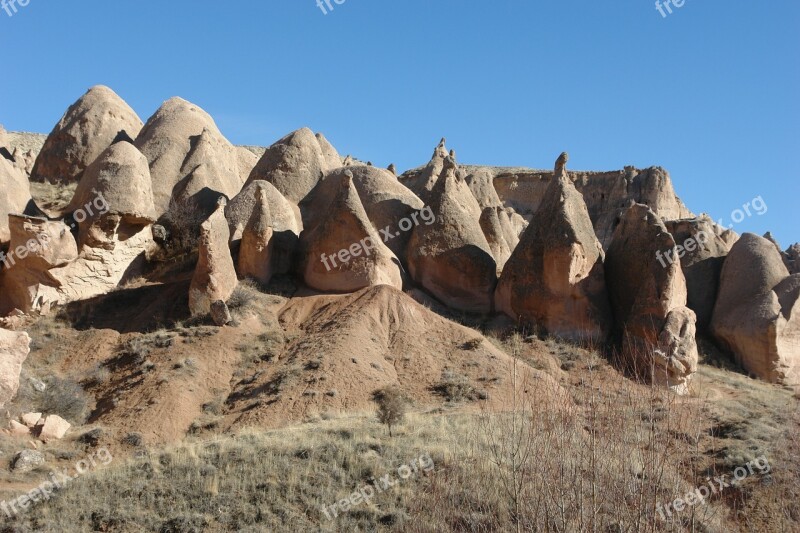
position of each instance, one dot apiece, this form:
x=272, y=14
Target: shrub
x=392, y=405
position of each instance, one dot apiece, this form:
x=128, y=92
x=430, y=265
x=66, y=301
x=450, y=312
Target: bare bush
x=392, y=406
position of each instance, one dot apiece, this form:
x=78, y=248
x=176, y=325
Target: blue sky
x=710, y=92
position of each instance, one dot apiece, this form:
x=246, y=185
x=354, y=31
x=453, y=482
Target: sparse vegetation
x=392, y=406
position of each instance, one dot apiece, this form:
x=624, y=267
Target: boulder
x=215, y=275
x=16, y=196
x=256, y=251
x=31, y=419
x=54, y=428
x=451, y=257
x=27, y=460
x=188, y=155
x=296, y=163
x=344, y=252
x=386, y=201
x=18, y=430
x=654, y=326
x=701, y=246
x=14, y=349
x=555, y=277
x=88, y=127
x=284, y=220
x=220, y=313
x=757, y=313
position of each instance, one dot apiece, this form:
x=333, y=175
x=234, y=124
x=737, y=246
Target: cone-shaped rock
x=15, y=197
x=215, y=275
x=451, y=257
x=655, y=327
x=387, y=202
x=88, y=127
x=296, y=163
x=179, y=139
x=555, y=278
x=702, y=247
x=284, y=218
x=757, y=313
x=255, y=253
x=344, y=253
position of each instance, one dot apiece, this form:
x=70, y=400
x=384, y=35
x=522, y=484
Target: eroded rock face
x=256, y=251
x=655, y=328
x=296, y=163
x=188, y=156
x=344, y=252
x=215, y=275
x=15, y=198
x=386, y=203
x=701, y=246
x=88, y=127
x=757, y=313
x=495, y=235
x=555, y=277
x=14, y=349
x=451, y=257
x=284, y=220
x=791, y=258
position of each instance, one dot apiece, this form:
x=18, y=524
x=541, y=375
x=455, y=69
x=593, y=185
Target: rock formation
x=344, y=252
x=451, y=258
x=791, y=258
x=88, y=127
x=757, y=313
x=655, y=328
x=188, y=156
x=495, y=235
x=284, y=220
x=701, y=246
x=256, y=251
x=296, y=163
x=15, y=198
x=215, y=275
x=386, y=201
x=14, y=349
x=555, y=278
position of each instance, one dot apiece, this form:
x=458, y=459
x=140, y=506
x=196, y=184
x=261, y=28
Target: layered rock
x=757, y=313
x=344, y=252
x=188, y=156
x=451, y=257
x=296, y=163
x=16, y=196
x=256, y=251
x=14, y=349
x=284, y=220
x=655, y=328
x=701, y=246
x=215, y=275
x=386, y=202
x=88, y=127
x=607, y=194
x=555, y=278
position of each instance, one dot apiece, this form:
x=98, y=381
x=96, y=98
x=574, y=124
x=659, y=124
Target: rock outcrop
x=451, y=257
x=791, y=258
x=555, y=278
x=284, y=220
x=701, y=246
x=296, y=163
x=757, y=313
x=256, y=251
x=386, y=201
x=14, y=349
x=15, y=198
x=88, y=127
x=215, y=275
x=188, y=156
x=344, y=252
x=655, y=328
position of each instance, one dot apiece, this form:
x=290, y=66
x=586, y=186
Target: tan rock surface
x=14, y=349
x=215, y=275
x=256, y=251
x=15, y=198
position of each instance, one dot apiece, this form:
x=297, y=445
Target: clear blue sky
x=710, y=92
